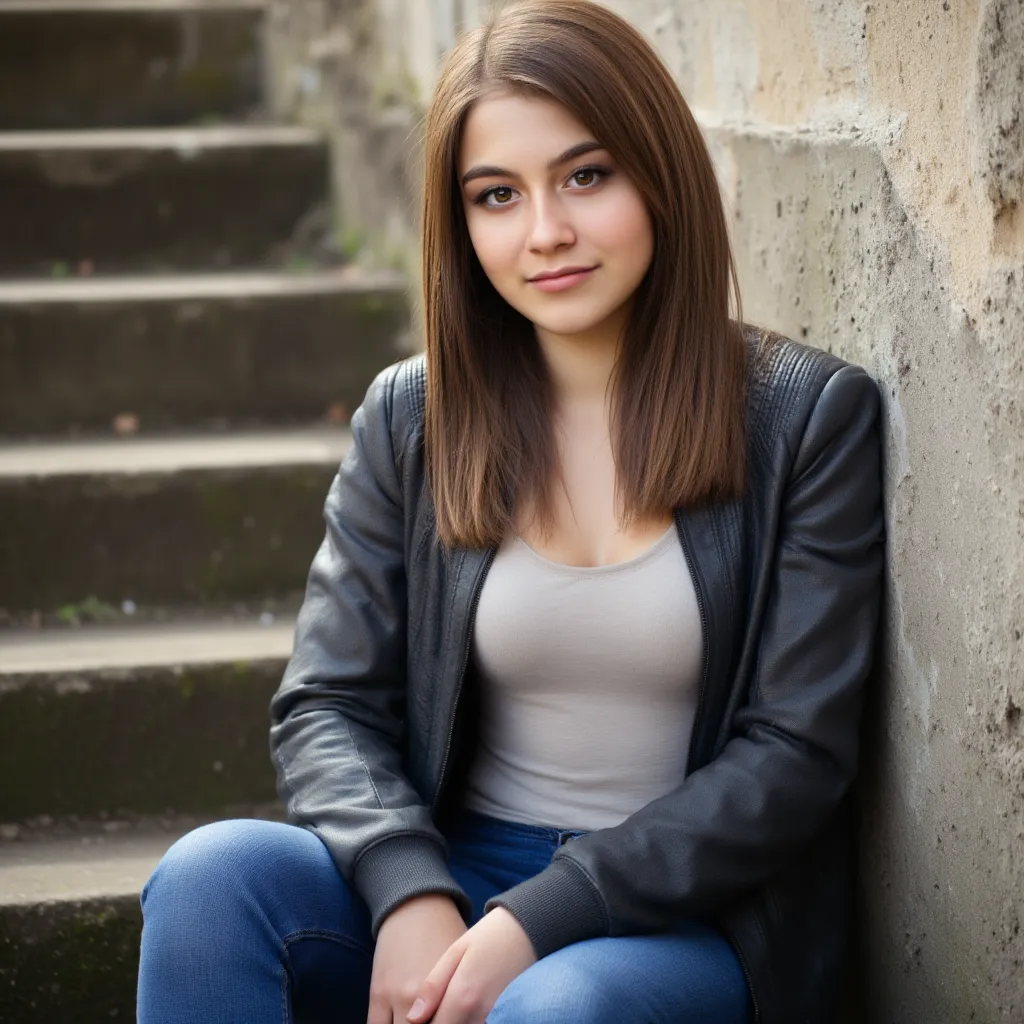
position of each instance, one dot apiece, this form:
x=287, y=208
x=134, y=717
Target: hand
x=410, y=941
x=466, y=982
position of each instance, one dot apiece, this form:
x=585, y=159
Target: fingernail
x=417, y=1008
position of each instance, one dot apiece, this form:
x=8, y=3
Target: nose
x=550, y=227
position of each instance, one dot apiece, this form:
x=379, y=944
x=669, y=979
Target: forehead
x=512, y=130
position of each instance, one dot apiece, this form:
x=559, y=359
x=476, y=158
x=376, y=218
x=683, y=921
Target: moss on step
x=72, y=962
x=191, y=738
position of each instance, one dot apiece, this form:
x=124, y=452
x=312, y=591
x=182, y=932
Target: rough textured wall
x=873, y=158
x=339, y=65
x=872, y=155
x=363, y=70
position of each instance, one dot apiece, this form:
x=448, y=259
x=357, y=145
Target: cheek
x=493, y=242
x=626, y=227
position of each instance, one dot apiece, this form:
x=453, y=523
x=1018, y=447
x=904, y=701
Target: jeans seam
x=326, y=933
x=310, y=933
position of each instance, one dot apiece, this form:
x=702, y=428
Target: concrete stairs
x=128, y=63
x=181, y=345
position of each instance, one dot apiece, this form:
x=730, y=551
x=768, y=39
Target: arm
x=735, y=822
x=338, y=715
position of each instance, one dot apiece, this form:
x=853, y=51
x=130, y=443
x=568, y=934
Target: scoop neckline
x=601, y=570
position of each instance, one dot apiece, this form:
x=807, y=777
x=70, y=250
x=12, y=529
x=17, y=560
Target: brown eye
x=588, y=177
x=505, y=193
x=484, y=199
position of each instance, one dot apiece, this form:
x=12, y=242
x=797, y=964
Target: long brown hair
x=678, y=404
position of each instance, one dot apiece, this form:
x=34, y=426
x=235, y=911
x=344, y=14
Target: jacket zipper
x=474, y=601
x=703, y=631
x=700, y=707
x=743, y=965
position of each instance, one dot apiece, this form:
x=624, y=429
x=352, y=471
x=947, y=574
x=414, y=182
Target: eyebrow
x=499, y=172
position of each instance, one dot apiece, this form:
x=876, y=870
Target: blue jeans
x=250, y=921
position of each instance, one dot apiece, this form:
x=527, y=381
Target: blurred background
x=208, y=249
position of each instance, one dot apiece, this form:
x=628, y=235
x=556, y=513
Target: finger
x=432, y=991
x=463, y=1002
x=380, y=1012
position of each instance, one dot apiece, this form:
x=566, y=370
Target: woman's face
x=537, y=199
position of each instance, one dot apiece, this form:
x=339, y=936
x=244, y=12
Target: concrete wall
x=872, y=156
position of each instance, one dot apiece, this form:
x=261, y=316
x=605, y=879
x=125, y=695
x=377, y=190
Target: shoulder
x=789, y=385
x=795, y=389
x=391, y=413
x=410, y=393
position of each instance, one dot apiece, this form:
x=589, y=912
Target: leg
x=249, y=921
x=690, y=976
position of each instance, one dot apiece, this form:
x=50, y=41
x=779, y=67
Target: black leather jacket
x=375, y=716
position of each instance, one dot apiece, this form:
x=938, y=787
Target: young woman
x=572, y=714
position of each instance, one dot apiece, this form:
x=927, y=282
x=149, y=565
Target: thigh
x=689, y=976
x=243, y=918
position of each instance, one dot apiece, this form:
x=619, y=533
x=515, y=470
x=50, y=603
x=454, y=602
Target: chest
x=625, y=632
x=586, y=531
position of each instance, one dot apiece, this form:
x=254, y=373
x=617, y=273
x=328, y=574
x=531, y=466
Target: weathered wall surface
x=334, y=65
x=363, y=71
x=872, y=155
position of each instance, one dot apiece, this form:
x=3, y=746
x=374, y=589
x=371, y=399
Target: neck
x=580, y=366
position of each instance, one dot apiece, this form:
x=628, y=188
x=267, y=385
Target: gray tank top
x=589, y=680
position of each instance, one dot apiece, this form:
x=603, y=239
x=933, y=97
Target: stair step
x=39, y=655
x=70, y=921
x=194, y=351
x=105, y=63
x=70, y=925
x=125, y=458
x=158, y=199
x=162, y=521
x=96, y=867
x=136, y=720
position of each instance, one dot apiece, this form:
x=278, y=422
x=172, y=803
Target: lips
x=548, y=275
x=562, y=280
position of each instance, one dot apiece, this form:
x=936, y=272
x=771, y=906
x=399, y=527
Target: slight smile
x=562, y=281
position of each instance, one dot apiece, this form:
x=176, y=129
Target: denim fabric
x=250, y=921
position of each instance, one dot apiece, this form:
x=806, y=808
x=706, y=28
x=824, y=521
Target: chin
x=568, y=323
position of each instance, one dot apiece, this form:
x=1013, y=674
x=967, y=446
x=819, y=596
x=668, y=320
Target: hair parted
x=678, y=392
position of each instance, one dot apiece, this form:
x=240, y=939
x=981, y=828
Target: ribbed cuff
x=556, y=908
x=398, y=869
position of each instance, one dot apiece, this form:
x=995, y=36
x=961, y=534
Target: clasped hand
x=465, y=980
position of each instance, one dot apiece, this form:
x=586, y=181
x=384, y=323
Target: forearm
x=338, y=717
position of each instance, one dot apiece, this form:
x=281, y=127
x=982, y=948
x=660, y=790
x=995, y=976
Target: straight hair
x=678, y=388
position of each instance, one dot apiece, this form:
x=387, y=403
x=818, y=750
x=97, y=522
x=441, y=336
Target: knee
x=208, y=868
x=553, y=991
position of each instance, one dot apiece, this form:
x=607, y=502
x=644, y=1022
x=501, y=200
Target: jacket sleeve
x=793, y=753
x=340, y=706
